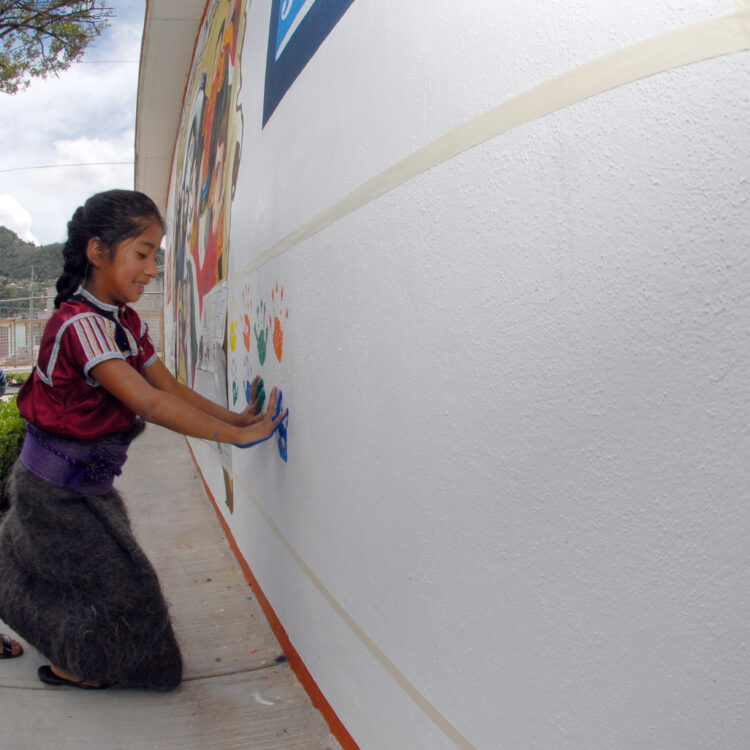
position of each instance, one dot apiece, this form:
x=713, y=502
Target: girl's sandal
x=8, y=644
x=47, y=676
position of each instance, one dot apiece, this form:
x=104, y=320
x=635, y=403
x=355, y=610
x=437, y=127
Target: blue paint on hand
x=280, y=428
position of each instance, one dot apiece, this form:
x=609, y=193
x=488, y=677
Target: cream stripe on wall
x=673, y=49
x=668, y=51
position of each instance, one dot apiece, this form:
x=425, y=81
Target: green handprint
x=262, y=337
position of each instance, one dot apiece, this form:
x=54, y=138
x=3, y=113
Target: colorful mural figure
x=207, y=163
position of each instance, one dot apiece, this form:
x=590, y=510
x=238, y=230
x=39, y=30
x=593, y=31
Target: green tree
x=39, y=37
x=17, y=258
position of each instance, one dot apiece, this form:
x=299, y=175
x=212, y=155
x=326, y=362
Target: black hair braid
x=110, y=217
x=75, y=261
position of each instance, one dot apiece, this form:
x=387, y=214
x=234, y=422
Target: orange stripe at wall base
x=338, y=730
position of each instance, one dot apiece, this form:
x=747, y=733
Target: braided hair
x=111, y=216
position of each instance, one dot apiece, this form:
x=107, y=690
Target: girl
x=73, y=580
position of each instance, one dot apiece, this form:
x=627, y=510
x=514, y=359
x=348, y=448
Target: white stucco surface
x=514, y=509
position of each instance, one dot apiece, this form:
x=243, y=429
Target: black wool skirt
x=76, y=585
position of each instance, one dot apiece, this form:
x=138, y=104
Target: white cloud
x=15, y=217
x=95, y=150
x=87, y=114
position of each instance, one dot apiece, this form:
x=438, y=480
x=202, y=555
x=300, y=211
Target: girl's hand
x=266, y=425
x=252, y=414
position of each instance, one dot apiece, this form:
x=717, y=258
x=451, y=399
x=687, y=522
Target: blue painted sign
x=291, y=14
x=298, y=28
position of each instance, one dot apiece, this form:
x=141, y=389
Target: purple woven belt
x=86, y=466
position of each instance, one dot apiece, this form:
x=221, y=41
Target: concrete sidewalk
x=238, y=692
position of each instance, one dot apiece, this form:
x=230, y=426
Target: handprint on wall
x=233, y=335
x=246, y=331
x=277, y=299
x=247, y=305
x=261, y=337
x=247, y=383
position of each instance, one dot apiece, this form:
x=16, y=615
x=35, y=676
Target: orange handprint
x=246, y=332
x=277, y=299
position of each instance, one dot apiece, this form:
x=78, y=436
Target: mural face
x=208, y=154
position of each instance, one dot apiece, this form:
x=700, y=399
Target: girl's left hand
x=254, y=411
x=265, y=428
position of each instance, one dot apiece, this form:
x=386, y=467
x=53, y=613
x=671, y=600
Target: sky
x=85, y=115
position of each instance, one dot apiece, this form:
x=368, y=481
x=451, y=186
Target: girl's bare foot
x=10, y=647
x=62, y=674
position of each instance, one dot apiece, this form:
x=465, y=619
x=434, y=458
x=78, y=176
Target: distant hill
x=18, y=256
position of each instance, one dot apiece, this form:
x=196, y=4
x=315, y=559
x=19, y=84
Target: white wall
x=515, y=507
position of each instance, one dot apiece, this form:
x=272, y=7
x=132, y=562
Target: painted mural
x=222, y=336
x=207, y=161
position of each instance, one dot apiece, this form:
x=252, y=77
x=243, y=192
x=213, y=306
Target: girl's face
x=122, y=278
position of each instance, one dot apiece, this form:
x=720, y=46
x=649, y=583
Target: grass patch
x=17, y=378
x=12, y=433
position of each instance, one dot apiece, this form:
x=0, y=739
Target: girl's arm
x=169, y=410
x=162, y=379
